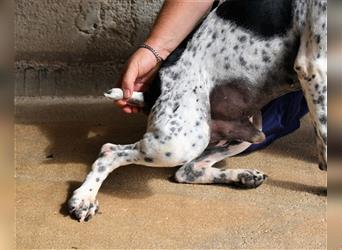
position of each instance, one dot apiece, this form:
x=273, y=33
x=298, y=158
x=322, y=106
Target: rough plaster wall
x=76, y=47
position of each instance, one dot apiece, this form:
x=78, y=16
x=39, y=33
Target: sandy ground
x=140, y=207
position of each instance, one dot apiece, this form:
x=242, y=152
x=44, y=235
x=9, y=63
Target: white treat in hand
x=116, y=94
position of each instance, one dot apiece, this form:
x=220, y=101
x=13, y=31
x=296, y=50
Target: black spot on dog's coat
x=242, y=61
x=323, y=119
x=265, y=18
x=266, y=59
x=101, y=168
x=242, y=39
x=148, y=159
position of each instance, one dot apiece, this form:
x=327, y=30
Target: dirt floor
x=57, y=140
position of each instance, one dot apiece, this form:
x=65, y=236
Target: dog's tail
x=116, y=94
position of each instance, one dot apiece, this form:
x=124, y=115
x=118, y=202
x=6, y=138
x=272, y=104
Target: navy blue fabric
x=281, y=117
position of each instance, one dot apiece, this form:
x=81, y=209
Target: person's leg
x=281, y=117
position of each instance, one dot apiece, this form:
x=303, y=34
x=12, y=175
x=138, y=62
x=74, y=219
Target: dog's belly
x=235, y=99
x=234, y=102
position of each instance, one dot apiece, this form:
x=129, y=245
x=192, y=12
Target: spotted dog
x=204, y=104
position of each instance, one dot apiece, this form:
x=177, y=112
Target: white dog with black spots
x=204, y=104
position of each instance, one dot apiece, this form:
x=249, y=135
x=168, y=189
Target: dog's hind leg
x=200, y=170
x=311, y=67
x=83, y=204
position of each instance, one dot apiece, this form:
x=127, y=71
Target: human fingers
x=129, y=78
x=127, y=109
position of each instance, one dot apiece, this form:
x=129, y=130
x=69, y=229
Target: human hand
x=137, y=75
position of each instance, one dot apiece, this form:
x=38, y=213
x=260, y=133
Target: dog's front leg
x=83, y=204
x=311, y=67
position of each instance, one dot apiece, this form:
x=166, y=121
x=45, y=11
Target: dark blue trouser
x=281, y=117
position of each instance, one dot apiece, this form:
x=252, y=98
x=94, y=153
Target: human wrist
x=159, y=45
x=156, y=54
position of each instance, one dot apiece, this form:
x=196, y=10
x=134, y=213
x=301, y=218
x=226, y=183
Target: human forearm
x=175, y=21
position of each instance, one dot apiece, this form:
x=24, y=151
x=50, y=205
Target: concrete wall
x=76, y=47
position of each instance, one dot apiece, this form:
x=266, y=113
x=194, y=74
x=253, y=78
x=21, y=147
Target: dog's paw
x=82, y=208
x=250, y=178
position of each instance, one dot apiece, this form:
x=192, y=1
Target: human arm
x=175, y=21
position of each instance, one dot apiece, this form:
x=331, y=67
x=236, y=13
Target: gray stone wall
x=76, y=47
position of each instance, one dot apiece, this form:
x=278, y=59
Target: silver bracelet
x=154, y=52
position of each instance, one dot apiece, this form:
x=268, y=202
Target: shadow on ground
x=102, y=123
x=298, y=187
x=77, y=131
x=139, y=206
